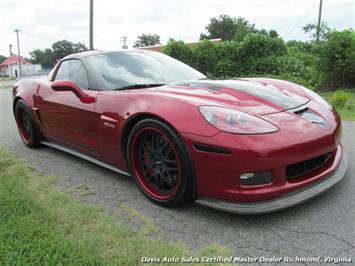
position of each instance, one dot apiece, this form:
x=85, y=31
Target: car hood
x=253, y=95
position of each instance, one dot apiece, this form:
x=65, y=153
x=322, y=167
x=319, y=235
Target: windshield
x=121, y=69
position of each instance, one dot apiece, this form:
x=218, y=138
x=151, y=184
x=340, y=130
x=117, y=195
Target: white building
x=10, y=67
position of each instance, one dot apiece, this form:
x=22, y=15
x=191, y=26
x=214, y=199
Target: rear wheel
x=28, y=130
x=160, y=163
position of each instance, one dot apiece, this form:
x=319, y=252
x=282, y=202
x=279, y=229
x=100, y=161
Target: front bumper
x=288, y=200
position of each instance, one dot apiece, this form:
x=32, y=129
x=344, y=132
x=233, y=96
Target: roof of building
x=13, y=59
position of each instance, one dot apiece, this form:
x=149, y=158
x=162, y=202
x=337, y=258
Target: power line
x=228, y=6
x=301, y=20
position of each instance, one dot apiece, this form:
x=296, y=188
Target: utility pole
x=319, y=19
x=10, y=49
x=18, y=51
x=91, y=43
x=124, y=40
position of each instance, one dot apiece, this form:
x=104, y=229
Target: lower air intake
x=305, y=167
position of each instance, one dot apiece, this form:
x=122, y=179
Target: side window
x=74, y=71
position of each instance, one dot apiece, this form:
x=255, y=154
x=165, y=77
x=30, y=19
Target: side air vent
x=211, y=149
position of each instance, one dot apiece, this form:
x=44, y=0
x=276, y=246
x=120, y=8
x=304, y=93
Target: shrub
x=299, y=46
x=330, y=64
x=180, y=51
x=341, y=99
x=205, y=56
x=258, y=53
x=261, y=45
x=337, y=60
x=229, y=62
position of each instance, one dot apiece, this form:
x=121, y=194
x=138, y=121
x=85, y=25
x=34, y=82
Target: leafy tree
x=64, y=48
x=223, y=27
x=43, y=57
x=147, y=40
x=273, y=34
x=311, y=28
x=2, y=58
x=80, y=47
x=337, y=60
x=231, y=28
x=262, y=31
x=242, y=29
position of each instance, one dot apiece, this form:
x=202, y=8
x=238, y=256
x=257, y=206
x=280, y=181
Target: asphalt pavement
x=324, y=226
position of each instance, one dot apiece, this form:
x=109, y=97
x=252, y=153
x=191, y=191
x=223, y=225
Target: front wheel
x=160, y=163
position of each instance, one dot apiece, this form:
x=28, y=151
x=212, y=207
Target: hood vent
x=301, y=111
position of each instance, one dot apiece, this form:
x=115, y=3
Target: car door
x=64, y=116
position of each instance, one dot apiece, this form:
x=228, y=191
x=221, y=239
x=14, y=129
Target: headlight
x=233, y=121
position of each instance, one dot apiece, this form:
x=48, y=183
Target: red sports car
x=251, y=145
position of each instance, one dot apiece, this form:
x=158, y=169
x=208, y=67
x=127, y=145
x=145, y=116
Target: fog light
x=258, y=178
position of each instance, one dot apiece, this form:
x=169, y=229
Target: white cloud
x=44, y=22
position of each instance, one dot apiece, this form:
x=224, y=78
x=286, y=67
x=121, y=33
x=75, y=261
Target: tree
x=147, y=40
x=42, y=57
x=64, y=48
x=273, y=34
x=223, y=27
x=2, y=58
x=242, y=28
x=337, y=60
x=311, y=28
x=232, y=28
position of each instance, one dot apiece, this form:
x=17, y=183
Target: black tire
x=29, y=131
x=168, y=175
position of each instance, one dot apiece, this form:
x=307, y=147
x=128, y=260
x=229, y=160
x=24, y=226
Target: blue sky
x=44, y=22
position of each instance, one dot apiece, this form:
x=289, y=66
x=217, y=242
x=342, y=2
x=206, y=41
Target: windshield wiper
x=138, y=86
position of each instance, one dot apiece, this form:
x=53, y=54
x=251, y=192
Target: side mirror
x=67, y=85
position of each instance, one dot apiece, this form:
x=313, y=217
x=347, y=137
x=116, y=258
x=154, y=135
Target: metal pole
x=91, y=43
x=18, y=51
x=124, y=40
x=319, y=19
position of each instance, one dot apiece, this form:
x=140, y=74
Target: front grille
x=305, y=167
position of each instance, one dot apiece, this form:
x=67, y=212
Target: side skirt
x=84, y=156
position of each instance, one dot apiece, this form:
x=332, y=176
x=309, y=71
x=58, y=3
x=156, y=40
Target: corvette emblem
x=318, y=121
x=315, y=119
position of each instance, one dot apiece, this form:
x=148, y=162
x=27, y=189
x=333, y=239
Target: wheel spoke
x=170, y=161
x=165, y=144
x=167, y=153
x=172, y=168
x=158, y=163
x=147, y=146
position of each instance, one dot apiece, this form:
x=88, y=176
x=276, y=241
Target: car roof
x=93, y=52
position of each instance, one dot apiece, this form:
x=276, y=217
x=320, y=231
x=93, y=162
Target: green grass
x=346, y=114
x=344, y=102
x=40, y=224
